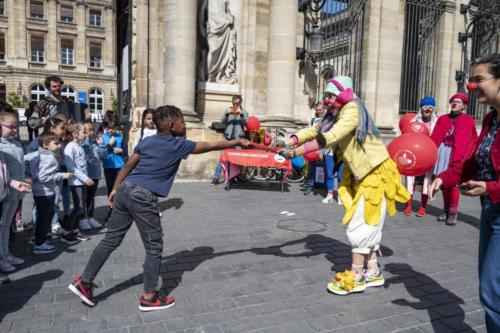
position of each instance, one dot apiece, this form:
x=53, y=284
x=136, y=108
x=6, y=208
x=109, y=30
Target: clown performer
x=426, y=116
x=370, y=185
x=452, y=135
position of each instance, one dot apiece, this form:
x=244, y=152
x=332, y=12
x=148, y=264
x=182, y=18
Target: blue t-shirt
x=161, y=155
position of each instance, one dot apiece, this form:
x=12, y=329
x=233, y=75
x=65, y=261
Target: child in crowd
x=46, y=178
x=114, y=161
x=56, y=126
x=149, y=174
x=76, y=163
x=148, y=127
x=96, y=151
x=330, y=166
x=13, y=154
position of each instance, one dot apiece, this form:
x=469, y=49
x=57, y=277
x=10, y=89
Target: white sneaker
x=57, y=229
x=85, y=225
x=94, y=224
x=328, y=199
x=14, y=260
x=6, y=266
x=339, y=201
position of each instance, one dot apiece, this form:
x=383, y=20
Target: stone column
x=281, y=63
x=381, y=67
x=81, y=40
x=179, y=74
x=20, y=55
x=448, y=60
x=52, y=40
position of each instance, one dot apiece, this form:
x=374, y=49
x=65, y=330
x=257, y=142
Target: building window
x=37, y=92
x=96, y=100
x=67, y=14
x=68, y=92
x=2, y=47
x=67, y=52
x=36, y=9
x=95, y=18
x=37, y=49
x=2, y=8
x=95, y=55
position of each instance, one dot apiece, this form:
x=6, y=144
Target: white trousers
x=365, y=238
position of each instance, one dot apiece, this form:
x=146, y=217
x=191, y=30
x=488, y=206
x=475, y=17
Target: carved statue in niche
x=218, y=45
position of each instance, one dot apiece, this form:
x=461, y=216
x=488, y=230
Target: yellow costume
x=369, y=172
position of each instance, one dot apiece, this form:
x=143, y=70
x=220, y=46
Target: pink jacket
x=468, y=170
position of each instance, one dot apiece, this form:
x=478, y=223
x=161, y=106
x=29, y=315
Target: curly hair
x=165, y=112
x=52, y=78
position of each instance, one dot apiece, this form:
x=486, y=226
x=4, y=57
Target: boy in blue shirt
x=148, y=174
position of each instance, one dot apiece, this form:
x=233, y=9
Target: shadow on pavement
x=442, y=305
x=18, y=292
x=175, y=265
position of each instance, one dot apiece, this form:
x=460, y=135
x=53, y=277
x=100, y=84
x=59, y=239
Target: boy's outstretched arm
x=129, y=166
x=203, y=147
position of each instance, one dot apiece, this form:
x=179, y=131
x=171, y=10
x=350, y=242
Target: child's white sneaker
x=85, y=225
x=328, y=199
x=94, y=224
x=57, y=229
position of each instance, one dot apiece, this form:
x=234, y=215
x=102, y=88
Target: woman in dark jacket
x=234, y=119
x=479, y=175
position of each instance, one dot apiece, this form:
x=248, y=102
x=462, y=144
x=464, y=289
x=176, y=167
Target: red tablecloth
x=255, y=158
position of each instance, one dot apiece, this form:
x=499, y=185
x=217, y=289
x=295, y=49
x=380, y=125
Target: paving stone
x=232, y=270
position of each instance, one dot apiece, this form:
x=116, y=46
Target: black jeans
x=45, y=210
x=90, y=198
x=78, y=193
x=110, y=176
x=132, y=203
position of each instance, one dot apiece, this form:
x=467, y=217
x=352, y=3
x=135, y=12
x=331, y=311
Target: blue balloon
x=298, y=162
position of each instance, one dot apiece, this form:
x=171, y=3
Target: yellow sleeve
x=345, y=125
x=307, y=134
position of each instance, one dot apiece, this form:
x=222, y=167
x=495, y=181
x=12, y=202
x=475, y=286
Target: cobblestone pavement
x=232, y=266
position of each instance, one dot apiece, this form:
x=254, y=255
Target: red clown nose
x=471, y=86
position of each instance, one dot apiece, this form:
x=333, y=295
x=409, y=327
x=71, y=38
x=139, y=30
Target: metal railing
x=420, y=52
x=342, y=27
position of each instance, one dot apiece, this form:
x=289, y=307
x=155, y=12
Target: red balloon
x=267, y=140
x=416, y=127
x=414, y=153
x=312, y=156
x=253, y=123
x=407, y=118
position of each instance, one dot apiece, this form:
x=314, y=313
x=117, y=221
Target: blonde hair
x=6, y=115
x=75, y=127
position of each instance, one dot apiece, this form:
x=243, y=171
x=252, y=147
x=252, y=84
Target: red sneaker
x=85, y=293
x=407, y=211
x=421, y=212
x=156, y=303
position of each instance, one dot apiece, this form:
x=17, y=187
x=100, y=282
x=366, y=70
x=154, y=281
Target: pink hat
x=460, y=96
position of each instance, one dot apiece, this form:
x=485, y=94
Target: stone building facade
x=169, y=44
x=72, y=39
